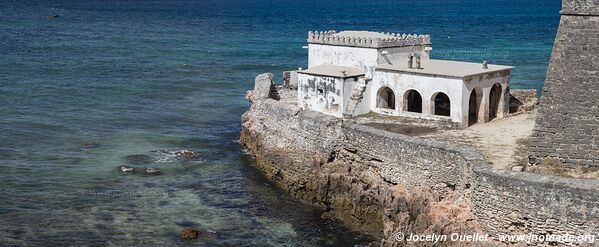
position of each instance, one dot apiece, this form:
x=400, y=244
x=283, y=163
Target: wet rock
x=204, y=235
x=127, y=169
x=263, y=86
x=138, y=159
x=187, y=154
x=152, y=171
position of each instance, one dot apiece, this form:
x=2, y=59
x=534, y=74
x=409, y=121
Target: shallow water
x=139, y=76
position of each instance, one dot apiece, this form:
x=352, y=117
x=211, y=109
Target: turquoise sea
x=129, y=78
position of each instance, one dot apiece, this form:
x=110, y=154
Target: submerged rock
x=152, y=171
x=90, y=145
x=138, y=159
x=167, y=156
x=187, y=154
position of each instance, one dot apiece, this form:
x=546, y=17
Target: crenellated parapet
x=367, y=39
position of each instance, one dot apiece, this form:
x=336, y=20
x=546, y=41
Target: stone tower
x=567, y=126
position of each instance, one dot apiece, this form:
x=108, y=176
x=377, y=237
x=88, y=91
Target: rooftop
x=367, y=39
x=333, y=71
x=445, y=68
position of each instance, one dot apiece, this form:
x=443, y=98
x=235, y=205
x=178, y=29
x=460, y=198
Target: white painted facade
x=332, y=85
x=325, y=93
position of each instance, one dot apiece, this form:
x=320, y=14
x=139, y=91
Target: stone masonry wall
x=567, y=126
x=386, y=182
x=508, y=202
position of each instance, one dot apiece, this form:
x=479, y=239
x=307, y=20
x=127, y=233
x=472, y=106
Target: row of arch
x=440, y=102
x=413, y=101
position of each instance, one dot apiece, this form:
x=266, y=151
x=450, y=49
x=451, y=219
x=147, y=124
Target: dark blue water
x=132, y=77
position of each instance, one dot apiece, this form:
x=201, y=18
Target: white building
x=352, y=73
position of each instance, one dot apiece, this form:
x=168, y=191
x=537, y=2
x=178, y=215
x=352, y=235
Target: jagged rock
x=189, y=233
x=263, y=86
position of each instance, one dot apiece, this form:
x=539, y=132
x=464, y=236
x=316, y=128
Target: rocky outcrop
x=263, y=86
x=335, y=165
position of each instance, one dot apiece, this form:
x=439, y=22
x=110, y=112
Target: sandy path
x=497, y=140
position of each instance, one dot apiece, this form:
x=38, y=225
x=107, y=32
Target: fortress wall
x=409, y=161
x=567, y=126
x=521, y=203
x=298, y=150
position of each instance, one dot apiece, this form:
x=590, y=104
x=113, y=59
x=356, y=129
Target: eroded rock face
x=323, y=171
x=263, y=86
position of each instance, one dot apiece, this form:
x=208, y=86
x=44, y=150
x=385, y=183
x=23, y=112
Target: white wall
x=426, y=86
x=329, y=101
x=484, y=83
x=363, y=58
x=400, y=54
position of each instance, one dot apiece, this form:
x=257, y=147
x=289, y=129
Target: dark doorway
x=441, y=104
x=473, y=106
x=413, y=101
x=494, y=99
x=385, y=98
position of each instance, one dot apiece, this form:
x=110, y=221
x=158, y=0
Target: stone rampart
x=333, y=162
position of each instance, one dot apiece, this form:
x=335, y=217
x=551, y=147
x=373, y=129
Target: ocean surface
x=108, y=83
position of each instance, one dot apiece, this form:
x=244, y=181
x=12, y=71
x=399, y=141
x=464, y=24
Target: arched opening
x=385, y=98
x=494, y=99
x=441, y=104
x=474, y=106
x=413, y=101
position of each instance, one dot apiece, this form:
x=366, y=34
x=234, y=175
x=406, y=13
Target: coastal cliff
x=356, y=173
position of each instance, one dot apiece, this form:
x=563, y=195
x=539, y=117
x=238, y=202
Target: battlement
x=367, y=39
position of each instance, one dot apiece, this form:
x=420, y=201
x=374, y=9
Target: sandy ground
x=500, y=140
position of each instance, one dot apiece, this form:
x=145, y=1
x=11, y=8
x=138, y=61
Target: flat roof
x=333, y=71
x=445, y=68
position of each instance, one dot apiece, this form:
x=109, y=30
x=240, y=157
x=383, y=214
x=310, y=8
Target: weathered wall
x=384, y=183
x=484, y=83
x=567, y=126
x=323, y=94
x=521, y=203
x=522, y=100
x=358, y=57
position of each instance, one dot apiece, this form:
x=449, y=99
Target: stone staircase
x=356, y=96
